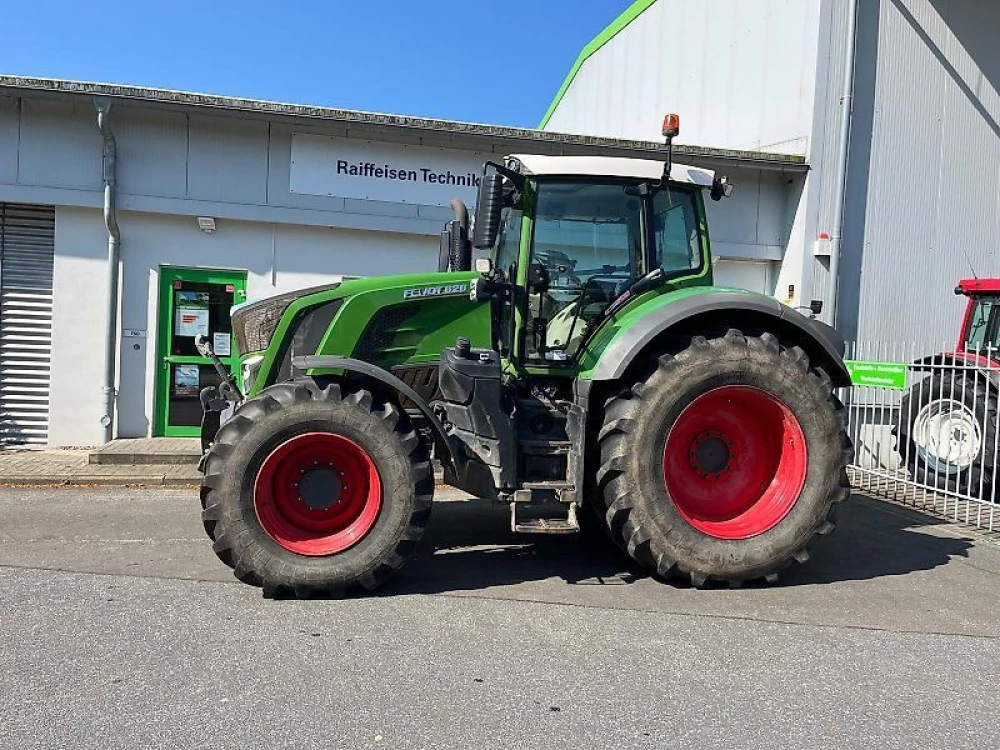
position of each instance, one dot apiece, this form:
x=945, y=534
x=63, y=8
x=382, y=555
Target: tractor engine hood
x=254, y=322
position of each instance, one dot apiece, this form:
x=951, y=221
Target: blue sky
x=496, y=62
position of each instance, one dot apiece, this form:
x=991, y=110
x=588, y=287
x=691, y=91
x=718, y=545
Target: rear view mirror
x=721, y=188
x=489, y=207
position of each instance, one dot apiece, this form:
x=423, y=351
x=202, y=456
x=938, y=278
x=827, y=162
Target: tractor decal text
x=436, y=291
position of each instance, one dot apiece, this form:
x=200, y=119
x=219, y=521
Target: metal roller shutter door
x=27, y=244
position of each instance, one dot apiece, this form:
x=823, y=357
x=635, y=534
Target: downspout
x=843, y=156
x=110, y=158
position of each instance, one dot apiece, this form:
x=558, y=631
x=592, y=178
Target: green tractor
x=582, y=367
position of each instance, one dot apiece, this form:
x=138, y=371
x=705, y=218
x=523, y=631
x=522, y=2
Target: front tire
x=724, y=461
x=312, y=490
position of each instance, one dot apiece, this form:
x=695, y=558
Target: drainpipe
x=843, y=154
x=114, y=249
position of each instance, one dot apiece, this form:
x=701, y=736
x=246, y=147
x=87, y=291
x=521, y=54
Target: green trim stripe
x=629, y=15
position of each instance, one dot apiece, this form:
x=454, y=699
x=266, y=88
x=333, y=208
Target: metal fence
x=926, y=428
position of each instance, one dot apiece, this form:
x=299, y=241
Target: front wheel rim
x=317, y=494
x=734, y=462
x=947, y=436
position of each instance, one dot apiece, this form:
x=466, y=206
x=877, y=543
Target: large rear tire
x=947, y=432
x=723, y=461
x=313, y=490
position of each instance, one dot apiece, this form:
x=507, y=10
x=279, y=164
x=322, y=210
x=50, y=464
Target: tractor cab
x=578, y=237
x=981, y=325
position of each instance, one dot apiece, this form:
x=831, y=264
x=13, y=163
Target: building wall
x=172, y=168
x=740, y=74
x=191, y=164
x=79, y=297
x=277, y=258
x=931, y=211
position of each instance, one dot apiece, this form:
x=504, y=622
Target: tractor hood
x=255, y=323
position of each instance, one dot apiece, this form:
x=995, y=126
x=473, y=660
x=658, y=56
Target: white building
x=922, y=206
x=221, y=198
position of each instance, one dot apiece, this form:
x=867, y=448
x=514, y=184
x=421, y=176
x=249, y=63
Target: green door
x=193, y=302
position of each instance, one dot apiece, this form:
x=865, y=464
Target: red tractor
x=948, y=422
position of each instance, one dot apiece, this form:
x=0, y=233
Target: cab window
x=509, y=242
x=588, y=238
x=984, y=325
x=676, y=228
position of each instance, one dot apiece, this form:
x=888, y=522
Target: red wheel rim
x=317, y=494
x=735, y=462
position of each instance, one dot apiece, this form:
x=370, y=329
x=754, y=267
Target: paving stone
x=156, y=451
x=73, y=467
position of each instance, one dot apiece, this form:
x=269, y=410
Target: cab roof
x=610, y=166
x=972, y=287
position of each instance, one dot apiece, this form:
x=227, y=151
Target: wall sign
x=877, y=374
x=350, y=168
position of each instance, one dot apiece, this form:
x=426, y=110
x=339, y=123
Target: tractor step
x=567, y=525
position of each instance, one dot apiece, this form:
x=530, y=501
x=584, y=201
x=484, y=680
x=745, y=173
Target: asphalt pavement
x=120, y=629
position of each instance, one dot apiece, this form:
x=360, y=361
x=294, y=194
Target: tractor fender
x=821, y=342
x=334, y=362
x=958, y=361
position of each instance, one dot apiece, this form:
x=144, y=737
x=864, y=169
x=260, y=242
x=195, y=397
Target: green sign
x=877, y=374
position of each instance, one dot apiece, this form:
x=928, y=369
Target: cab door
x=192, y=302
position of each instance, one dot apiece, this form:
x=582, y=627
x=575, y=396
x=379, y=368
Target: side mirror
x=489, y=207
x=721, y=188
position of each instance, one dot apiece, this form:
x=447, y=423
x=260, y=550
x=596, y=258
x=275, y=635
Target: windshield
x=589, y=239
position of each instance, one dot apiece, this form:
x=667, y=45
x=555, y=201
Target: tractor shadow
x=469, y=547
x=877, y=539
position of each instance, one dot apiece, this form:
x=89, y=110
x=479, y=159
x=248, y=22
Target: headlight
x=248, y=370
x=254, y=323
x=308, y=330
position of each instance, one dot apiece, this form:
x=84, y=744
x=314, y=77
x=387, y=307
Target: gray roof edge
x=21, y=85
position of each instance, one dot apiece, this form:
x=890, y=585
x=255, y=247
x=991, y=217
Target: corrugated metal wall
x=27, y=241
x=832, y=46
x=741, y=74
x=932, y=213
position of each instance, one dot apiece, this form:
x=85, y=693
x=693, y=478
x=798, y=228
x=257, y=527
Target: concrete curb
x=101, y=481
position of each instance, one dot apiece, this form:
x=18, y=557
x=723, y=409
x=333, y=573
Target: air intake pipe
x=456, y=250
